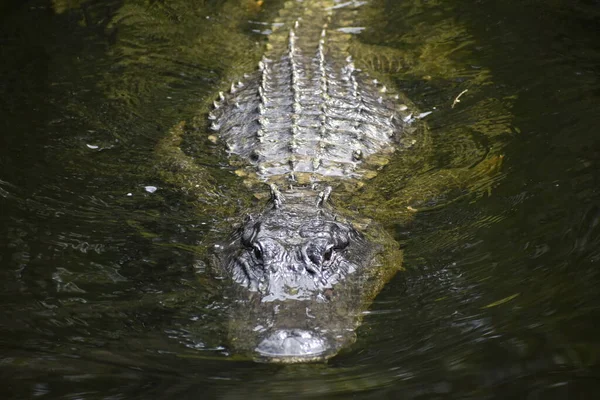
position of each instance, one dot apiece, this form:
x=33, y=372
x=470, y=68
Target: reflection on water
x=106, y=288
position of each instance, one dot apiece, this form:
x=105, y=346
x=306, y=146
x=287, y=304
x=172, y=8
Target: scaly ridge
x=324, y=91
x=296, y=106
x=306, y=119
x=262, y=118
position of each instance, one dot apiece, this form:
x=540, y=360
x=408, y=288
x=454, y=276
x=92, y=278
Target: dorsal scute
x=306, y=109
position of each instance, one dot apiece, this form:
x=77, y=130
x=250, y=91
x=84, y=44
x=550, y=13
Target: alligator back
x=307, y=114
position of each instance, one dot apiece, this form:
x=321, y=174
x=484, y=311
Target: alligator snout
x=293, y=345
x=302, y=275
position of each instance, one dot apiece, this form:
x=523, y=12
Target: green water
x=105, y=293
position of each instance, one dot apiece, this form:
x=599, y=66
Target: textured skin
x=296, y=250
x=307, y=114
x=306, y=119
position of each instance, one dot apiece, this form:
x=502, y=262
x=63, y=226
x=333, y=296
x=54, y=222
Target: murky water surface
x=104, y=259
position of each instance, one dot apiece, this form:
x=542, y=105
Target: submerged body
x=305, y=122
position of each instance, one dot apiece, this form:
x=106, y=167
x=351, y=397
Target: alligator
x=307, y=123
x=308, y=128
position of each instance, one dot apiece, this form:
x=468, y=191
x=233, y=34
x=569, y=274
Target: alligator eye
x=257, y=251
x=328, y=254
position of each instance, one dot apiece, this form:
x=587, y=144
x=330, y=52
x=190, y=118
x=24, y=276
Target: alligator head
x=303, y=276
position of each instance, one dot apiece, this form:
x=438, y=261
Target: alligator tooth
x=383, y=89
x=215, y=127
x=240, y=84
x=212, y=116
x=232, y=90
x=380, y=100
x=216, y=105
x=408, y=118
x=375, y=81
x=402, y=107
x=221, y=96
